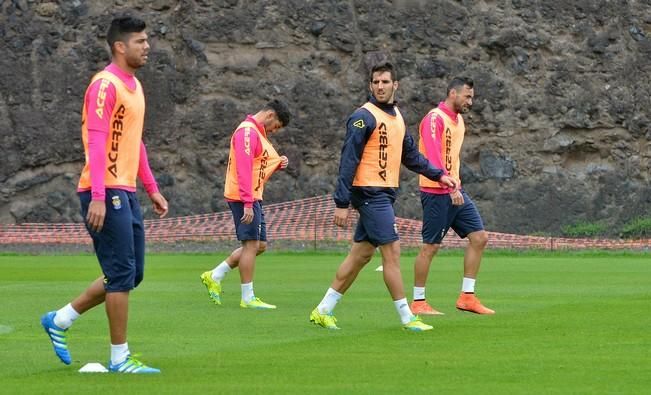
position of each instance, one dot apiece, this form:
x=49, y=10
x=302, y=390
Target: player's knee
x=363, y=257
x=429, y=250
x=479, y=239
x=251, y=245
x=366, y=258
x=361, y=253
x=360, y=260
x=262, y=247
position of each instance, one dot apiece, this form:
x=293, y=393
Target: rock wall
x=559, y=131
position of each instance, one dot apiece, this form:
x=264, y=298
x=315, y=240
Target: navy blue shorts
x=256, y=230
x=377, y=222
x=120, y=245
x=439, y=215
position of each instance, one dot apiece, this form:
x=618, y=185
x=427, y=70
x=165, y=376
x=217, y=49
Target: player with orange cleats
x=441, y=136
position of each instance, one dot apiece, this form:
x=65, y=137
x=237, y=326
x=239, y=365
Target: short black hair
x=382, y=67
x=458, y=83
x=281, y=110
x=121, y=27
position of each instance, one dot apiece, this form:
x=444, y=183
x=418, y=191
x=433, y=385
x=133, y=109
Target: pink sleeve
x=99, y=107
x=245, y=142
x=144, y=172
x=432, y=133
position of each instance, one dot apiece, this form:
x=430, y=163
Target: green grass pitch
x=565, y=324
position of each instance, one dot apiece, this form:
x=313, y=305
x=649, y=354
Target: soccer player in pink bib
x=112, y=124
x=441, y=136
x=251, y=162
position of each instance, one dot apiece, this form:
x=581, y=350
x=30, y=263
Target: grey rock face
x=559, y=131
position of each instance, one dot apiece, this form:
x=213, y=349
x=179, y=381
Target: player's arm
x=246, y=143
x=416, y=162
x=100, y=101
x=359, y=127
x=149, y=182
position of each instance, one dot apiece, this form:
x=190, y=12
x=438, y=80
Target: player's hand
x=160, y=204
x=457, y=198
x=284, y=162
x=341, y=215
x=449, y=181
x=96, y=214
x=247, y=217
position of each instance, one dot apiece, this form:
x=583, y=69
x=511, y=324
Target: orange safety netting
x=306, y=220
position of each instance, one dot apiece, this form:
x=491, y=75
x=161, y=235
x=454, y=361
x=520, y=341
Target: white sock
x=119, y=352
x=419, y=293
x=247, y=292
x=403, y=310
x=329, y=301
x=468, y=285
x=65, y=316
x=219, y=272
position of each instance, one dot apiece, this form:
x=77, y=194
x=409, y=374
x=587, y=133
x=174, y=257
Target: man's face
x=271, y=122
x=383, y=87
x=463, y=99
x=136, y=50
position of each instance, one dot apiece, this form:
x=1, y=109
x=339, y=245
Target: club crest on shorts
x=117, y=203
x=395, y=228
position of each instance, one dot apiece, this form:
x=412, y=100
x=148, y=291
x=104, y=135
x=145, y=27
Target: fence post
x=315, y=217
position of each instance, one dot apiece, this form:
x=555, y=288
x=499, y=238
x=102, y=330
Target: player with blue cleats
x=132, y=365
x=107, y=195
x=57, y=337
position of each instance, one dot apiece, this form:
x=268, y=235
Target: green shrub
x=585, y=229
x=637, y=228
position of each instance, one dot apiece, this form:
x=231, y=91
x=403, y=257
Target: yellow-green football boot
x=256, y=304
x=214, y=287
x=417, y=325
x=327, y=321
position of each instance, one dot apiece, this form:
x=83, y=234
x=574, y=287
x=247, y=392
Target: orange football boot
x=420, y=307
x=469, y=302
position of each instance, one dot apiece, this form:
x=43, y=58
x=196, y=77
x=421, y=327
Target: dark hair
x=121, y=27
x=382, y=67
x=281, y=110
x=458, y=83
